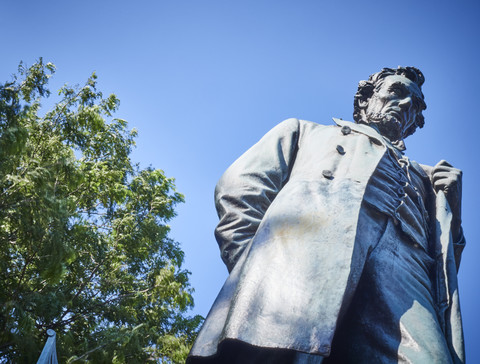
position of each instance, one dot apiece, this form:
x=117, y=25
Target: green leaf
x=84, y=246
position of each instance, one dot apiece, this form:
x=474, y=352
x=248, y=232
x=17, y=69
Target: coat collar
x=368, y=131
x=372, y=133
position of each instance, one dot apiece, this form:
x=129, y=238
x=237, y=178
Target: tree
x=84, y=246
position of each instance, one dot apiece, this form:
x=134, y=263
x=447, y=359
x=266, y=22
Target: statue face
x=394, y=106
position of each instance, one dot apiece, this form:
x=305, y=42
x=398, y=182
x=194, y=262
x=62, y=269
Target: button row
x=328, y=173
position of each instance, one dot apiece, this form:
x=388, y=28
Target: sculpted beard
x=387, y=125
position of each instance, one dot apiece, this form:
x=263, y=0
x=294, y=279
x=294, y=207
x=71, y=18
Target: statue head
x=392, y=101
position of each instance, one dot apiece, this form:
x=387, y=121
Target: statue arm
x=248, y=187
x=448, y=179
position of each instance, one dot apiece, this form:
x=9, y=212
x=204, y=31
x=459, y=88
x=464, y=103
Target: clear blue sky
x=204, y=80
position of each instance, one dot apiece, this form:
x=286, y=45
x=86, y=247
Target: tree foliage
x=84, y=246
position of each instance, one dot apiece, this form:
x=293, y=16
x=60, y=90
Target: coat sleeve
x=248, y=187
x=459, y=245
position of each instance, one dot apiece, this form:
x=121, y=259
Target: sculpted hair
x=366, y=89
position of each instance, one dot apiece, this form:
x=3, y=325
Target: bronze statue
x=340, y=249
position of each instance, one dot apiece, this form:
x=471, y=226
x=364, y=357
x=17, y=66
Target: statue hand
x=449, y=179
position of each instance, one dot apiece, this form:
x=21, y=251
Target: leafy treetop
x=84, y=246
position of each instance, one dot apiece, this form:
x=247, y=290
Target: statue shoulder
x=299, y=125
x=298, y=129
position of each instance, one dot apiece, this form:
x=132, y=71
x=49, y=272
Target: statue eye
x=398, y=91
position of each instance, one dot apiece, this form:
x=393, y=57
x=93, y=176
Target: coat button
x=327, y=174
x=340, y=149
x=346, y=130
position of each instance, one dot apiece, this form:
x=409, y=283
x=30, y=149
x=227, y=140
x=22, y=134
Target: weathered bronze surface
x=339, y=247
